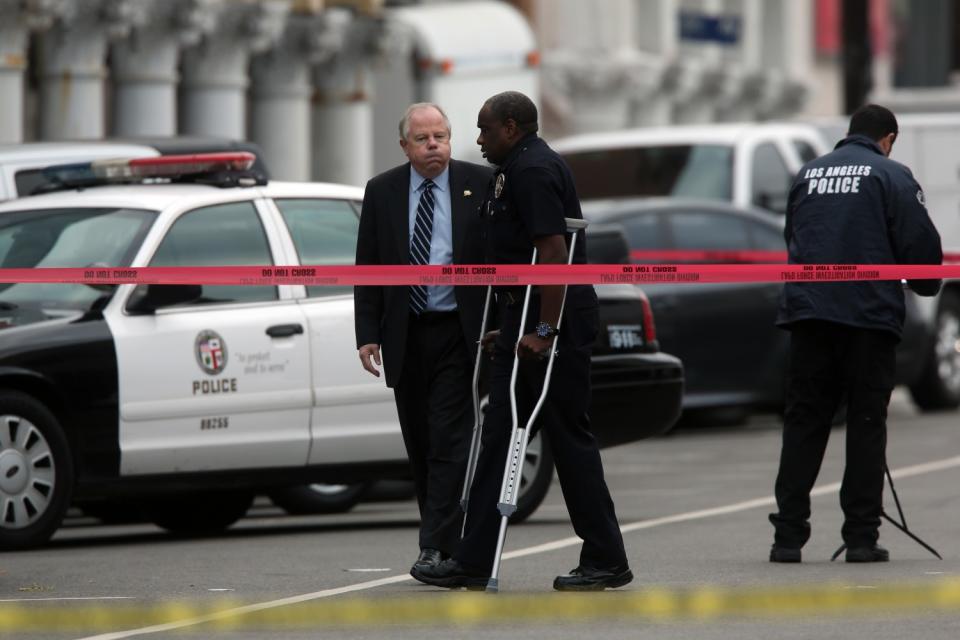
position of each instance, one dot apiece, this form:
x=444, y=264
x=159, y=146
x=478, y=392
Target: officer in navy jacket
x=851, y=206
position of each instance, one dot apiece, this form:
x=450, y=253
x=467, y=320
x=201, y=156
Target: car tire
x=36, y=472
x=535, y=477
x=939, y=385
x=318, y=498
x=202, y=513
x=715, y=417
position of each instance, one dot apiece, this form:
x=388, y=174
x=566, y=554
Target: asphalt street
x=693, y=506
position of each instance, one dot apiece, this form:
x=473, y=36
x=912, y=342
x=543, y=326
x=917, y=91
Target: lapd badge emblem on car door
x=498, y=187
x=211, y=352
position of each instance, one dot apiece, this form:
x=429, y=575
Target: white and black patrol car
x=191, y=399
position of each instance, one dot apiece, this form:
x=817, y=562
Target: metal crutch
x=519, y=437
x=477, y=418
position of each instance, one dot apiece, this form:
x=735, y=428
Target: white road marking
x=736, y=507
x=69, y=598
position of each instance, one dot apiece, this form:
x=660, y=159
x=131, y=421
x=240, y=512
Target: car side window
x=770, y=178
x=219, y=235
x=324, y=232
x=644, y=231
x=766, y=238
x=704, y=230
x=805, y=150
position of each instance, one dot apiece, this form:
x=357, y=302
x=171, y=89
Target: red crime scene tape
x=497, y=275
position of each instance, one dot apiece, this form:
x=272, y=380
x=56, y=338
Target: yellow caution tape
x=470, y=609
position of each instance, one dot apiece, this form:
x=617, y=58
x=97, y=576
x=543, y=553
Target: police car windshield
x=696, y=171
x=75, y=237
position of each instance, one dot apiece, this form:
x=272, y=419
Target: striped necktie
x=420, y=243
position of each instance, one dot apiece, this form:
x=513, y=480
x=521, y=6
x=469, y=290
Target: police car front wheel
x=36, y=472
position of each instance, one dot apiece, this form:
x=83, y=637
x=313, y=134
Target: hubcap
x=329, y=489
x=948, y=351
x=27, y=473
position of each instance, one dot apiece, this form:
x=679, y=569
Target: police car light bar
x=132, y=169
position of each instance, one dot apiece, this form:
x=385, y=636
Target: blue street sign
x=706, y=28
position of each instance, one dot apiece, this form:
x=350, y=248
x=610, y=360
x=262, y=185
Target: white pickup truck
x=748, y=164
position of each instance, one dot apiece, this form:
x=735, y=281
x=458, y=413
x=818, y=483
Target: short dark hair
x=873, y=121
x=513, y=105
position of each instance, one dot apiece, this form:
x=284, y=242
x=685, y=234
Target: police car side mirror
x=147, y=299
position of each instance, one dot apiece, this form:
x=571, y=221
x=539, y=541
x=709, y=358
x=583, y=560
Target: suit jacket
x=382, y=313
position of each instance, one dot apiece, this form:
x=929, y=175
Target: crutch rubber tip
x=493, y=585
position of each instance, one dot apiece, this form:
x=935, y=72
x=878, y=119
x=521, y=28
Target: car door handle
x=284, y=330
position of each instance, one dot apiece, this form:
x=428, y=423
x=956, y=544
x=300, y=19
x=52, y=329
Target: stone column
x=214, y=85
x=342, y=111
x=144, y=65
x=72, y=67
x=20, y=19
x=283, y=86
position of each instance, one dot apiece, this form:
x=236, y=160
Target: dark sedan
x=734, y=357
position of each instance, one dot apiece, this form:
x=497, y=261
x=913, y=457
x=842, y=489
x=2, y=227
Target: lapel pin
x=467, y=193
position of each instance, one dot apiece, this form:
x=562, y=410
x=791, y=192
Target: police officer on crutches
x=531, y=196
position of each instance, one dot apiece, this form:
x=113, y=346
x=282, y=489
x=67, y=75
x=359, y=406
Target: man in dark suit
x=425, y=212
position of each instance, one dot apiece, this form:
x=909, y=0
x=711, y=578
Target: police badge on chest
x=498, y=187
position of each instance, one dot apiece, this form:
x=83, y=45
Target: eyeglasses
x=423, y=138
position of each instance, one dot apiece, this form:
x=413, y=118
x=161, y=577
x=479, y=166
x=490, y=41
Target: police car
x=193, y=398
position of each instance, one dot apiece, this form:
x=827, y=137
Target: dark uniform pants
x=564, y=417
x=826, y=360
x=436, y=419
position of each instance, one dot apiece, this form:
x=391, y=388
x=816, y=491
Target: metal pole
x=477, y=417
x=145, y=85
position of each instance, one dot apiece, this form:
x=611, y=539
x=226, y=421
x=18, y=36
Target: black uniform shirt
x=529, y=197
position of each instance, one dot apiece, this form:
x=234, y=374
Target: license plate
x=625, y=336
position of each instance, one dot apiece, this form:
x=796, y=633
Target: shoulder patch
x=922, y=199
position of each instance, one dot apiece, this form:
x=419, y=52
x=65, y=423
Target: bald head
x=420, y=106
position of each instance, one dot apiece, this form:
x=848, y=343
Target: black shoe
x=428, y=558
x=784, y=554
x=451, y=575
x=590, y=579
x=876, y=553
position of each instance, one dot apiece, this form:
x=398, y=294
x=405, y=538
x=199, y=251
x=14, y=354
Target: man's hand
x=533, y=347
x=489, y=340
x=367, y=352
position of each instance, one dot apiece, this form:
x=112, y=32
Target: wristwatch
x=544, y=330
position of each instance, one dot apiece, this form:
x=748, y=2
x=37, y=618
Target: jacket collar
x=861, y=140
x=518, y=148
